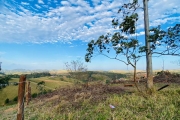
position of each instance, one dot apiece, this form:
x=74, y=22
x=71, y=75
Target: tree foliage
x=4, y=81
x=123, y=42
x=37, y=75
x=165, y=42
x=40, y=86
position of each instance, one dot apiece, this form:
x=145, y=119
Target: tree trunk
x=148, y=51
x=134, y=77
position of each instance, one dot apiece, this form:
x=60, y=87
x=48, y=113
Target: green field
x=94, y=102
x=11, y=91
x=94, y=105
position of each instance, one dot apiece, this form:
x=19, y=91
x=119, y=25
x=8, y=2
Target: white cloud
x=161, y=11
x=139, y=34
x=65, y=3
x=75, y=20
x=40, y=2
x=24, y=3
x=37, y=6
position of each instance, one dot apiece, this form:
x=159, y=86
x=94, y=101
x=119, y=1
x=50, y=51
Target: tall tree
x=123, y=43
x=128, y=27
x=149, y=69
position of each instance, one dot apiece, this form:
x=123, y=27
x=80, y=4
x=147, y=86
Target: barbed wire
x=27, y=92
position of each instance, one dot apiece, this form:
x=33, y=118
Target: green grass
x=8, y=92
x=163, y=105
x=11, y=91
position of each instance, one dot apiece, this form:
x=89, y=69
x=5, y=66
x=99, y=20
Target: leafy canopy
x=123, y=41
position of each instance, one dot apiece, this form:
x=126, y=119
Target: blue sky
x=44, y=34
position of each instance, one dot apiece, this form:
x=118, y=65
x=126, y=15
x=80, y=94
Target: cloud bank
x=53, y=21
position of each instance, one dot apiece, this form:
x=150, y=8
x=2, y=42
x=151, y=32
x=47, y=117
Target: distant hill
x=24, y=71
x=21, y=71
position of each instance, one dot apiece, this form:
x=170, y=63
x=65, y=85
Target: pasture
x=99, y=100
x=11, y=91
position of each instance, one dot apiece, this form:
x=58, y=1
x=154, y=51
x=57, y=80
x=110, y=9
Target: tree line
x=4, y=79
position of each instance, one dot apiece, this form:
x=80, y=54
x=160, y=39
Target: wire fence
x=24, y=95
x=16, y=84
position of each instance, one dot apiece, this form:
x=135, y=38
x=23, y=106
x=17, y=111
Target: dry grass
x=92, y=103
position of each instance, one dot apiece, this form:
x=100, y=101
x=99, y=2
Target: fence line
x=24, y=91
x=11, y=83
x=21, y=94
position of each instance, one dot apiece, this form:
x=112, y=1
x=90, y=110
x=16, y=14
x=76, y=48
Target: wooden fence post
x=21, y=91
x=28, y=93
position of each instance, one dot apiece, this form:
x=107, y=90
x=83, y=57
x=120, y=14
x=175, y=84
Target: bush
x=62, y=79
x=6, y=101
x=16, y=98
x=108, y=81
x=44, y=92
x=34, y=95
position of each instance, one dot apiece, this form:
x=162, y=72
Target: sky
x=44, y=34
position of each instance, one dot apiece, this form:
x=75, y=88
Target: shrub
x=44, y=92
x=62, y=79
x=16, y=98
x=108, y=81
x=34, y=95
x=6, y=101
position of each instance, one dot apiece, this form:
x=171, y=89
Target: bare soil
x=74, y=96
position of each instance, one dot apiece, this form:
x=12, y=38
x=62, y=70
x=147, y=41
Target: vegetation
x=37, y=75
x=11, y=91
x=77, y=69
x=104, y=95
x=167, y=39
x=31, y=75
x=40, y=86
x=6, y=101
x=96, y=102
x=4, y=81
x=125, y=44
x=122, y=43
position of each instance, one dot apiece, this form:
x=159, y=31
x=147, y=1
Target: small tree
x=40, y=87
x=4, y=81
x=76, y=69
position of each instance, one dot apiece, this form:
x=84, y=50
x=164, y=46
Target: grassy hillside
x=95, y=103
x=53, y=82
x=11, y=91
x=97, y=100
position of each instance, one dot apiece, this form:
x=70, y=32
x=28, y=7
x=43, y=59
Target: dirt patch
x=10, y=109
x=74, y=96
x=167, y=76
x=51, y=81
